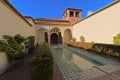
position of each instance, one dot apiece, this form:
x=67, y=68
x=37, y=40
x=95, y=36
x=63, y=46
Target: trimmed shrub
x=42, y=64
x=107, y=49
x=73, y=39
x=116, y=39
x=85, y=45
x=82, y=39
x=98, y=48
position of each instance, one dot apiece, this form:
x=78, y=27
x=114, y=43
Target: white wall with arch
x=48, y=28
x=67, y=35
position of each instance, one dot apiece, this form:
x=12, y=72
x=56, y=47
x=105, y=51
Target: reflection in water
x=79, y=61
x=71, y=57
x=78, y=66
x=66, y=55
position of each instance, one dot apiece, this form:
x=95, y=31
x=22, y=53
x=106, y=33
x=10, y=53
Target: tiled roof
x=52, y=21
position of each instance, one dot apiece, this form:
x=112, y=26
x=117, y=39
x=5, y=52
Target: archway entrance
x=42, y=35
x=54, y=38
x=67, y=35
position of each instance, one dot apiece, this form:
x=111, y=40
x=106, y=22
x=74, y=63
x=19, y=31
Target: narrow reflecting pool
x=79, y=65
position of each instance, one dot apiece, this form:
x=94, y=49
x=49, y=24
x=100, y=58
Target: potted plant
x=13, y=47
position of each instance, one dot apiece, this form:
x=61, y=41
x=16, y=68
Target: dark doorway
x=46, y=37
x=60, y=37
x=54, y=39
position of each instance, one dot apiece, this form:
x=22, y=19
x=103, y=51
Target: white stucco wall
x=100, y=27
x=32, y=29
x=11, y=24
x=40, y=29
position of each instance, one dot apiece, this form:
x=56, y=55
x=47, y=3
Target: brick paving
x=56, y=75
x=22, y=72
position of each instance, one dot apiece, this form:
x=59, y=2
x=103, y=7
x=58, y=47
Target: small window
x=77, y=14
x=71, y=14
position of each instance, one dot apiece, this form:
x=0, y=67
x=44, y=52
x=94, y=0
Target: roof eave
x=6, y=1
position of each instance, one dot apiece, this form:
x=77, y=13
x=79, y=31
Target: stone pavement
x=21, y=72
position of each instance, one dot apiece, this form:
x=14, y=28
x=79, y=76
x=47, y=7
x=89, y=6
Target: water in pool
x=75, y=66
x=71, y=57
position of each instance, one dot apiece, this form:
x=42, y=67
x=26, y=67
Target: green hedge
x=84, y=45
x=99, y=48
x=107, y=49
x=42, y=64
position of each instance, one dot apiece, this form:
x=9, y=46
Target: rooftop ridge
x=50, y=19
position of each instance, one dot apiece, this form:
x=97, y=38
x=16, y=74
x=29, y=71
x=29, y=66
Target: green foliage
x=73, y=39
x=19, y=39
x=116, y=39
x=107, y=49
x=82, y=39
x=13, y=46
x=30, y=43
x=42, y=64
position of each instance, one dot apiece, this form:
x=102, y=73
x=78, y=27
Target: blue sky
x=55, y=8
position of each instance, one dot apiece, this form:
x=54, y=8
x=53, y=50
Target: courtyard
x=72, y=47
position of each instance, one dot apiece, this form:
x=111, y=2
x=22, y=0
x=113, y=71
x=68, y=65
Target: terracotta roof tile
x=52, y=21
x=71, y=9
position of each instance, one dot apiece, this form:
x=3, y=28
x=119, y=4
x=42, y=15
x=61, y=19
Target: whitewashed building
x=99, y=26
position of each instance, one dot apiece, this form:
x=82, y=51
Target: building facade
x=99, y=27
x=57, y=31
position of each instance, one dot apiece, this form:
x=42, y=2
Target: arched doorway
x=42, y=35
x=67, y=35
x=54, y=38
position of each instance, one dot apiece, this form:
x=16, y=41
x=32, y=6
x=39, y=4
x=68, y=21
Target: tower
x=72, y=14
